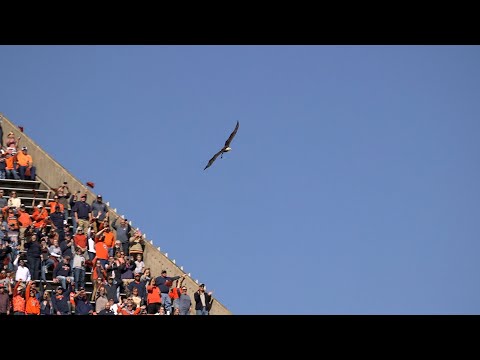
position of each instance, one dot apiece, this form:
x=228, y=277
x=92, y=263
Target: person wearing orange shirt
x=26, y=169
x=11, y=164
x=32, y=305
x=154, y=299
x=128, y=309
x=24, y=221
x=40, y=216
x=54, y=203
x=109, y=239
x=101, y=249
x=18, y=300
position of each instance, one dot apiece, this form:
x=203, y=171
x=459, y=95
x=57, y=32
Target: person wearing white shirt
x=22, y=272
x=14, y=201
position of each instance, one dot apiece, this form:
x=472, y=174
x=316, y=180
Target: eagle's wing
x=210, y=162
x=230, y=138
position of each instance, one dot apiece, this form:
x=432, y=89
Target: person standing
x=203, y=300
x=164, y=282
x=99, y=212
x=185, y=303
x=34, y=256
x=63, y=193
x=82, y=212
x=123, y=232
x=5, y=300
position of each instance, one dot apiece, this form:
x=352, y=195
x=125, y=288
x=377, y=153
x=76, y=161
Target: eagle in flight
x=226, y=147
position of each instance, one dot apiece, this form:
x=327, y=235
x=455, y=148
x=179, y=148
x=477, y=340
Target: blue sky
x=352, y=186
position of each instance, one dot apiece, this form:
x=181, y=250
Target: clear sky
x=353, y=182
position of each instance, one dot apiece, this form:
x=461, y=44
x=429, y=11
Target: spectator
x=82, y=304
x=136, y=243
x=33, y=287
x=11, y=142
x=5, y=299
x=24, y=221
x=139, y=285
x=107, y=310
x=91, y=244
x=14, y=201
x=66, y=247
x=63, y=193
x=154, y=298
x=161, y=311
x=74, y=198
x=129, y=309
x=3, y=200
x=203, y=301
x=46, y=306
x=46, y=260
x=3, y=228
x=61, y=300
x=57, y=219
x=34, y=252
x=79, y=269
x=138, y=300
x=63, y=272
x=82, y=212
x=40, y=216
x=5, y=249
x=185, y=303
x=32, y=305
x=176, y=291
x=164, y=282
x=54, y=203
x=11, y=164
x=109, y=239
x=120, y=258
x=26, y=169
x=99, y=212
x=123, y=232
x=126, y=271
x=18, y=300
x=146, y=276
x=99, y=275
x=67, y=231
x=22, y=271
x=55, y=252
x=118, y=248
x=101, y=249
x=101, y=299
x=12, y=221
x=139, y=264
x=3, y=165
x=80, y=241
x=111, y=288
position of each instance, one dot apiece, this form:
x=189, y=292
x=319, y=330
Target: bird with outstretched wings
x=226, y=147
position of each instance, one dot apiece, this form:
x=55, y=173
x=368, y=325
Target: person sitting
x=26, y=170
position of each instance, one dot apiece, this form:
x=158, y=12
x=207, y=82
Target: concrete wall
x=53, y=175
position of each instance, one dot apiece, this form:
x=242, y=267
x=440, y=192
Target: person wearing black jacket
x=107, y=310
x=203, y=301
x=34, y=252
